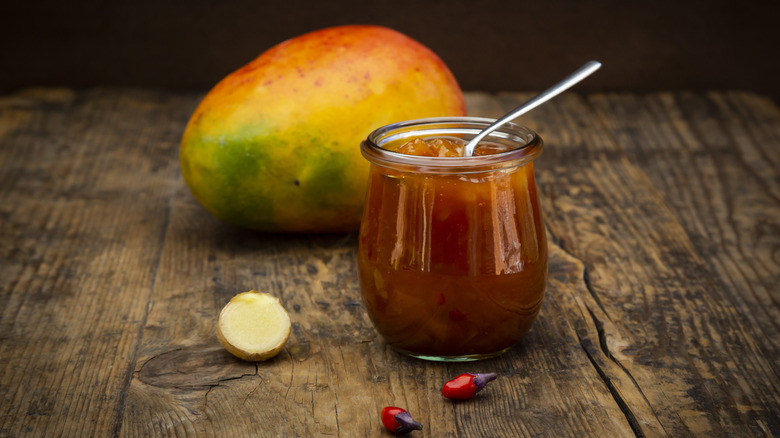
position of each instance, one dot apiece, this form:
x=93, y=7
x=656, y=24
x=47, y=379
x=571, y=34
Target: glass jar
x=452, y=257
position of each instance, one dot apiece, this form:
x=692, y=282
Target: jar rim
x=465, y=127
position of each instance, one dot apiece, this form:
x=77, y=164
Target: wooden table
x=662, y=314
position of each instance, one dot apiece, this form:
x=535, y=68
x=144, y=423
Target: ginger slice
x=253, y=326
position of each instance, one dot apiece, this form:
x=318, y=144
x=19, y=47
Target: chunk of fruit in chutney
x=446, y=147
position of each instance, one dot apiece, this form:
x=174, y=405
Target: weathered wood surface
x=661, y=317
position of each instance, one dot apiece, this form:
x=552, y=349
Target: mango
x=275, y=145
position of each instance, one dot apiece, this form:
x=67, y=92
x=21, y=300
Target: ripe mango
x=275, y=145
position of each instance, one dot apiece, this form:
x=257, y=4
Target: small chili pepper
x=466, y=385
x=398, y=421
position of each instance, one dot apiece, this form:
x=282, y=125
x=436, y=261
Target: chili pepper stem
x=406, y=422
x=481, y=380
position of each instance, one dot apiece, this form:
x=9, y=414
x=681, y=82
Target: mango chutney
x=452, y=256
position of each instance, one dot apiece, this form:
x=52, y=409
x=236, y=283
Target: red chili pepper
x=398, y=421
x=466, y=385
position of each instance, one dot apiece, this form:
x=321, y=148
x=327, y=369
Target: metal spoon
x=580, y=74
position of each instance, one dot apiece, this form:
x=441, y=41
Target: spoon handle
x=581, y=73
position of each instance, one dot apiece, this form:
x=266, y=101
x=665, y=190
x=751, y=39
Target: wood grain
x=86, y=178
x=661, y=315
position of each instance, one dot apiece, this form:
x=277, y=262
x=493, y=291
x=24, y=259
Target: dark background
x=489, y=45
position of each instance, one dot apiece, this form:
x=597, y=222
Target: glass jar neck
x=524, y=146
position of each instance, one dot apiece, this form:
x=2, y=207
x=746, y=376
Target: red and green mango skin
x=275, y=145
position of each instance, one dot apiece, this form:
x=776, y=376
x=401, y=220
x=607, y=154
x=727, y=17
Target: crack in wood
x=601, y=334
x=630, y=417
x=259, y=384
x=206, y=396
x=601, y=324
x=602, y=337
x=589, y=287
x=557, y=241
x=219, y=382
x=605, y=349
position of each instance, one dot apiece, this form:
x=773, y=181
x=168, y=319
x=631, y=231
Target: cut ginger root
x=253, y=326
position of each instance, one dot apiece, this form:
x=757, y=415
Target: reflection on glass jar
x=452, y=256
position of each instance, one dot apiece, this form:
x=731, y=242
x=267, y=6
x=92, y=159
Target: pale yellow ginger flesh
x=253, y=326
